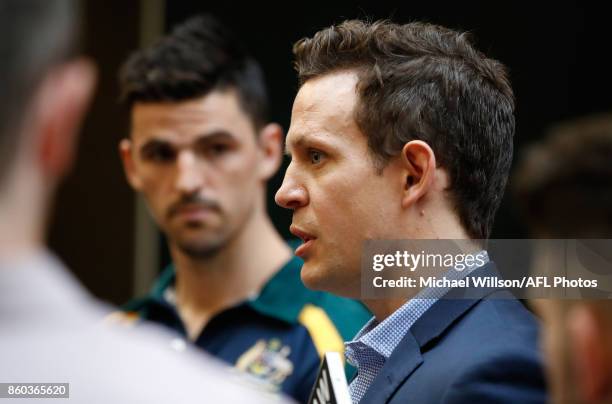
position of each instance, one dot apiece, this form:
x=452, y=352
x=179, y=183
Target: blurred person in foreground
x=50, y=328
x=200, y=151
x=564, y=186
x=404, y=132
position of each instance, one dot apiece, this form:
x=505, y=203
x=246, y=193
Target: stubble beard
x=208, y=249
x=201, y=251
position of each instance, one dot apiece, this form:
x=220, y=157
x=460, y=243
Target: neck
x=238, y=271
x=383, y=308
x=22, y=218
x=435, y=223
x=16, y=243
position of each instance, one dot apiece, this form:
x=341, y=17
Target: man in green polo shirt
x=200, y=150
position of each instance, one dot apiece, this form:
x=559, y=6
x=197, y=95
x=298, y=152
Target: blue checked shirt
x=374, y=343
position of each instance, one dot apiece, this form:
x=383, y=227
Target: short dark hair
x=34, y=36
x=198, y=56
x=427, y=82
x=563, y=184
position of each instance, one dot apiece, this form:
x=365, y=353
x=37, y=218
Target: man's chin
x=200, y=248
x=309, y=279
x=315, y=277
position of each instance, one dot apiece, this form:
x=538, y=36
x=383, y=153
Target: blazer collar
x=440, y=316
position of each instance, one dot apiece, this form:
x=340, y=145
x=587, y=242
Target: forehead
x=324, y=107
x=217, y=111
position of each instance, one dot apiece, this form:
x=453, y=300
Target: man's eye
x=159, y=154
x=207, y=150
x=218, y=149
x=315, y=156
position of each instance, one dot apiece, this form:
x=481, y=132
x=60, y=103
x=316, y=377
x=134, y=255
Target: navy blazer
x=478, y=345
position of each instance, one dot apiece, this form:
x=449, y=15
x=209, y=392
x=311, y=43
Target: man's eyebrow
x=216, y=134
x=153, y=143
x=302, y=139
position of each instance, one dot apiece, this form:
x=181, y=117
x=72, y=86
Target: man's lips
x=193, y=206
x=307, y=238
x=194, y=212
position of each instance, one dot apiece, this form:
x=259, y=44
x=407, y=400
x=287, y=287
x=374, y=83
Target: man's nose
x=291, y=194
x=190, y=176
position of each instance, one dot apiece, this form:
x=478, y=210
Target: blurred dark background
x=557, y=55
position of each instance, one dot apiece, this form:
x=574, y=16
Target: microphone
x=330, y=386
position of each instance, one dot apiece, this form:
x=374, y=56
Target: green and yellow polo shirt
x=278, y=336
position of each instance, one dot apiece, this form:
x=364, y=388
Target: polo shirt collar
x=283, y=297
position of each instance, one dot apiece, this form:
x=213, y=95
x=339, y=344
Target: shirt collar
x=383, y=337
x=283, y=297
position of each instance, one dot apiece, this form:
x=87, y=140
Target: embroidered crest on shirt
x=267, y=360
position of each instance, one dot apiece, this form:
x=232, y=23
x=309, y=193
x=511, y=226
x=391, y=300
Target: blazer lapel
x=449, y=308
x=407, y=356
x=404, y=360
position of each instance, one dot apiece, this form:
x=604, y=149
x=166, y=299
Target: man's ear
x=270, y=142
x=588, y=353
x=60, y=108
x=126, y=154
x=419, y=168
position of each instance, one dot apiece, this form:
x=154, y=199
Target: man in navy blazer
x=476, y=350
x=405, y=132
